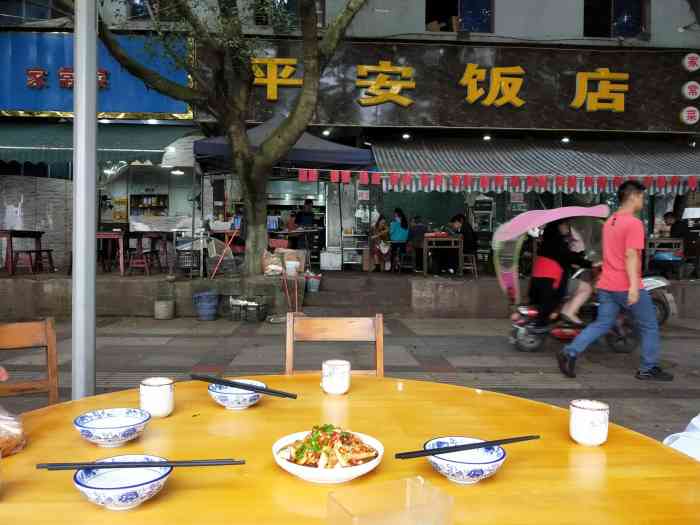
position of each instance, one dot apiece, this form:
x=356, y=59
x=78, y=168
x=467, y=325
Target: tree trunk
x=255, y=201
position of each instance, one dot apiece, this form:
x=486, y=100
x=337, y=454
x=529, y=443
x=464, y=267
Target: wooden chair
x=22, y=336
x=336, y=329
x=471, y=265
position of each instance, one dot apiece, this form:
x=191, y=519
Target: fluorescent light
x=565, y=140
x=177, y=172
x=406, y=136
x=326, y=132
x=103, y=121
x=368, y=143
x=151, y=121
x=487, y=137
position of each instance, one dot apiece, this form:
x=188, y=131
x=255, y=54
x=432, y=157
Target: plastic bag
x=12, y=438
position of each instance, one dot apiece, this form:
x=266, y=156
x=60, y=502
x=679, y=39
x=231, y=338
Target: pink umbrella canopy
x=534, y=219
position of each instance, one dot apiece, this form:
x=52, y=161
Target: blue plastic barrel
x=206, y=304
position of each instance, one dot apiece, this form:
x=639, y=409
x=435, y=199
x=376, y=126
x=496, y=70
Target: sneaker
x=654, y=374
x=567, y=364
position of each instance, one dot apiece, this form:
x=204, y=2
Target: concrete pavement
x=471, y=352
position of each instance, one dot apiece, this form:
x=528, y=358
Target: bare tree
x=222, y=81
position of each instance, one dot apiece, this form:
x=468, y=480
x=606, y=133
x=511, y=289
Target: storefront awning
x=42, y=142
x=521, y=165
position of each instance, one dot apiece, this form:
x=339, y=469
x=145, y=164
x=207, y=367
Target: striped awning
x=457, y=164
x=46, y=142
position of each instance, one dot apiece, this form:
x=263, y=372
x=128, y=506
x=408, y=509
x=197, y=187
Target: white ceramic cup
x=157, y=396
x=335, y=376
x=588, y=422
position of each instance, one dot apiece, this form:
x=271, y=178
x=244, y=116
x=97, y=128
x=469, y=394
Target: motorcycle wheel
x=623, y=339
x=662, y=312
x=527, y=342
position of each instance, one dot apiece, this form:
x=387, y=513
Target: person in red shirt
x=620, y=288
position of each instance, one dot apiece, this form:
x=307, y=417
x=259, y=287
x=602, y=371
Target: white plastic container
x=588, y=423
x=335, y=377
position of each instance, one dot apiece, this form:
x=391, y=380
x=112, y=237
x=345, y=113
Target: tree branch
x=198, y=27
x=337, y=28
x=284, y=138
x=151, y=78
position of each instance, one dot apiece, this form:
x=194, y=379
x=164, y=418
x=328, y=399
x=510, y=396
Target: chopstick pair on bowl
x=460, y=448
x=243, y=386
x=140, y=464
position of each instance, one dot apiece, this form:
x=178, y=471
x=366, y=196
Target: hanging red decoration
x=303, y=175
x=617, y=181
x=531, y=182
x=515, y=182
x=692, y=183
x=588, y=182
x=484, y=182
x=648, y=182
x=675, y=180
x=438, y=182
x=660, y=183
x=364, y=177
x=376, y=178
x=407, y=179
x=500, y=181
x=602, y=183
x=345, y=177
x=455, y=180
x=424, y=180
x=559, y=181
x=542, y=181
x=394, y=179
x=467, y=181
x=335, y=176
x=571, y=182
x=312, y=175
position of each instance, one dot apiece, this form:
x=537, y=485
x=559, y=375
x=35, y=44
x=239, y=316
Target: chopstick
x=243, y=386
x=460, y=448
x=141, y=464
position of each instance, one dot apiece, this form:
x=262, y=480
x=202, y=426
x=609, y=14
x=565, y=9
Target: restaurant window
x=164, y=10
x=263, y=11
x=476, y=16
x=442, y=15
x=17, y=12
x=615, y=18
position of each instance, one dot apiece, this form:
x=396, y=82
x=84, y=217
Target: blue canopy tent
x=308, y=152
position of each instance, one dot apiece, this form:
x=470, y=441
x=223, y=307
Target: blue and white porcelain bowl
x=123, y=488
x=467, y=467
x=235, y=398
x=112, y=427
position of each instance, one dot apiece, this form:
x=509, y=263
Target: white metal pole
x=84, y=197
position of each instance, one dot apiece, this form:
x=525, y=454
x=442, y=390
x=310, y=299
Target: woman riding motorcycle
x=551, y=272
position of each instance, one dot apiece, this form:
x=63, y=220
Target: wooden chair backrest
x=336, y=329
x=24, y=336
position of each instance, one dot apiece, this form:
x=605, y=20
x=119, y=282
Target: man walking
x=620, y=287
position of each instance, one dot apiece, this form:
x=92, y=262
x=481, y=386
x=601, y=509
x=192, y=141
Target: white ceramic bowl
x=112, y=427
x=235, y=398
x=122, y=489
x=326, y=475
x=469, y=466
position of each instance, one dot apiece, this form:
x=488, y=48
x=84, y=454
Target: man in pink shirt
x=620, y=288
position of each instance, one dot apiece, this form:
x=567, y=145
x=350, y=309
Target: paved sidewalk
x=471, y=352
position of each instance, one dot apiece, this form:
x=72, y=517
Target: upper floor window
x=263, y=11
x=615, y=18
x=17, y=12
x=442, y=15
x=162, y=10
x=476, y=16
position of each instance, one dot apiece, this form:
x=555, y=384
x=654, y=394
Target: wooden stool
x=139, y=260
x=26, y=257
x=471, y=265
x=44, y=256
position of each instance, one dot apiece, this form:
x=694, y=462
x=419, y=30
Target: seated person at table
x=677, y=228
x=3, y=374
x=469, y=241
x=448, y=260
x=416, y=236
x=398, y=233
x=379, y=245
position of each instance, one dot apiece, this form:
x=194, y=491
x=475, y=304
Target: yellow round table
x=630, y=479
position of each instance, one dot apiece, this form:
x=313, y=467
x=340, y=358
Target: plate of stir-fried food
x=328, y=454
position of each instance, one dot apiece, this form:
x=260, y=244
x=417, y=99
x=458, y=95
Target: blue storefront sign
x=37, y=76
